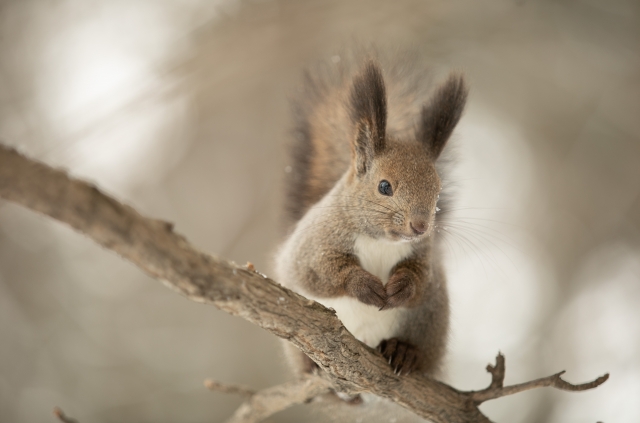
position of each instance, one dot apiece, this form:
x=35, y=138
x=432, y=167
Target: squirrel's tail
x=298, y=170
x=319, y=152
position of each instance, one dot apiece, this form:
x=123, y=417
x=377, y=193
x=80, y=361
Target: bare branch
x=277, y=398
x=262, y=404
x=496, y=390
x=57, y=411
x=152, y=245
x=212, y=385
x=497, y=372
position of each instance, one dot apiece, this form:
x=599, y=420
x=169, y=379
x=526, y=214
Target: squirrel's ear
x=369, y=115
x=441, y=115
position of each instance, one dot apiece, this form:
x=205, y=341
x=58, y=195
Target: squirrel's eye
x=385, y=188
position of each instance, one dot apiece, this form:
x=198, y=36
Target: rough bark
x=152, y=245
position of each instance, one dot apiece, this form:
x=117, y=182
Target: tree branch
x=212, y=385
x=277, y=398
x=263, y=404
x=153, y=246
x=496, y=390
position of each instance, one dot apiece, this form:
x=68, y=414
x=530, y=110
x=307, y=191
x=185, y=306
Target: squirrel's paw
x=368, y=289
x=400, y=289
x=402, y=356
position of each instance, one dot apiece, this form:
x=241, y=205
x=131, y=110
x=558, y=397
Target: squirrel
x=362, y=196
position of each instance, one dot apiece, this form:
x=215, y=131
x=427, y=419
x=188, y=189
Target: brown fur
x=354, y=130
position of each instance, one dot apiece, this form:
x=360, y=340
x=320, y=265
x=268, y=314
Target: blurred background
x=180, y=109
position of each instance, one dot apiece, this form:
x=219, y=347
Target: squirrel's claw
x=401, y=356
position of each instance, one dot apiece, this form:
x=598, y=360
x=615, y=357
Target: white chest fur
x=366, y=322
x=378, y=256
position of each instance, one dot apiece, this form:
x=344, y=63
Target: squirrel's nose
x=418, y=227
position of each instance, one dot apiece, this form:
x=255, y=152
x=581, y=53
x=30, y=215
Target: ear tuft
x=368, y=106
x=441, y=115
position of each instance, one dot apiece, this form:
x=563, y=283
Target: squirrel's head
x=396, y=180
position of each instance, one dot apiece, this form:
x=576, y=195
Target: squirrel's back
x=321, y=149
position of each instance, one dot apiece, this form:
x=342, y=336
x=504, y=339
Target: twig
x=496, y=390
x=213, y=385
x=277, y=398
x=497, y=372
x=57, y=411
x=262, y=404
x=152, y=245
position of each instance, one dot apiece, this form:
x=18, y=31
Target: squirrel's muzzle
x=418, y=227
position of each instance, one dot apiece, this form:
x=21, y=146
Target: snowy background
x=179, y=108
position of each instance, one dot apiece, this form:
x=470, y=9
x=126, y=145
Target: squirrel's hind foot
x=402, y=356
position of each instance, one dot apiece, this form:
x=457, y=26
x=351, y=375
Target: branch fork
x=497, y=390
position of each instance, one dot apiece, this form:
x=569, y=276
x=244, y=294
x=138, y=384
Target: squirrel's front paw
x=400, y=289
x=402, y=356
x=368, y=289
